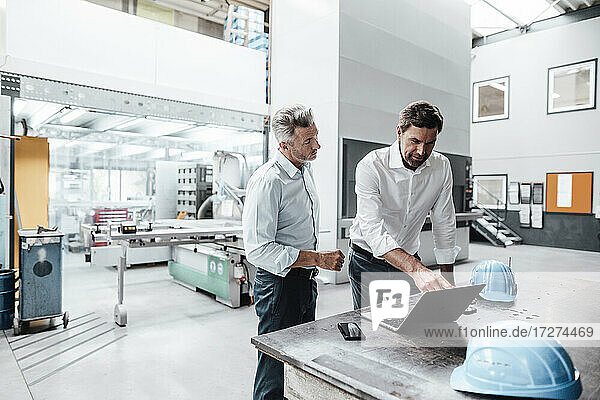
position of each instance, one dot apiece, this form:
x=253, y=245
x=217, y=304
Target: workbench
x=319, y=364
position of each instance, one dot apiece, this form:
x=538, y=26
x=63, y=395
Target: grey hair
x=286, y=119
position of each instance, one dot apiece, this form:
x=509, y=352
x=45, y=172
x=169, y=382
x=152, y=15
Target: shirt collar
x=286, y=164
x=396, y=159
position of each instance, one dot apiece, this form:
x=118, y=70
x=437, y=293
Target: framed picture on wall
x=489, y=191
x=572, y=87
x=490, y=99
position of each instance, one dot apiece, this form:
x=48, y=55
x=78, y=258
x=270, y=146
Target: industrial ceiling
x=111, y=136
x=493, y=16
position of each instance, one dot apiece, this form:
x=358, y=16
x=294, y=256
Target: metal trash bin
x=40, y=289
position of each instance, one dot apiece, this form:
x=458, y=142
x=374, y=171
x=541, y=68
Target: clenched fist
x=331, y=260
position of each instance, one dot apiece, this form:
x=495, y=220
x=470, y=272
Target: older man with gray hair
x=281, y=226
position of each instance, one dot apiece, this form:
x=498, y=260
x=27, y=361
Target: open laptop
x=437, y=307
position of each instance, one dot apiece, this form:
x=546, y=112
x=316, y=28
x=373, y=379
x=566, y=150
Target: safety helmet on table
x=522, y=367
x=500, y=283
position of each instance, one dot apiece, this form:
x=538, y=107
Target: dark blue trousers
x=360, y=263
x=279, y=303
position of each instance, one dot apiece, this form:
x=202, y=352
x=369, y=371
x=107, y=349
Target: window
x=490, y=99
x=572, y=87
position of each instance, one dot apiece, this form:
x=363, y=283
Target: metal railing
x=498, y=219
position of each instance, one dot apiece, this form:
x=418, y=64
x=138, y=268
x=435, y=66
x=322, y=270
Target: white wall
x=395, y=52
x=80, y=42
x=2, y=28
x=531, y=143
x=304, y=69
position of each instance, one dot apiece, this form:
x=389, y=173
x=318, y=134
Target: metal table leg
x=120, y=310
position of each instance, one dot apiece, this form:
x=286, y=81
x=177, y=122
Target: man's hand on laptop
x=427, y=280
x=331, y=260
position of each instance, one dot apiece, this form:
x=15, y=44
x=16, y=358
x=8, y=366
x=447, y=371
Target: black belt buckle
x=361, y=251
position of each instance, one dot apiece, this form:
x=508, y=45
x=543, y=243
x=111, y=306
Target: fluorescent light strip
x=161, y=119
x=129, y=123
x=74, y=114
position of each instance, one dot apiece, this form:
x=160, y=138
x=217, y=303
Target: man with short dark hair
x=281, y=227
x=396, y=188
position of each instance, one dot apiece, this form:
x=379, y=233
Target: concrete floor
x=179, y=344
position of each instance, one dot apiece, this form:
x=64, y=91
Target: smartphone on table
x=350, y=331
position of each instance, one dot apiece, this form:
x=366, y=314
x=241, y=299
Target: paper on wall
x=524, y=215
x=564, y=190
x=513, y=193
x=536, y=216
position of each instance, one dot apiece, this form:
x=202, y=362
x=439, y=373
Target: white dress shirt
x=393, y=202
x=281, y=214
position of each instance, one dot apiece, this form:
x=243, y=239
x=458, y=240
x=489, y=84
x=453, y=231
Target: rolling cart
x=40, y=286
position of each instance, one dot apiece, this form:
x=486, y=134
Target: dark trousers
x=360, y=263
x=279, y=303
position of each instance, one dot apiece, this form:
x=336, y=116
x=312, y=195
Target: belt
x=367, y=253
x=308, y=273
x=362, y=251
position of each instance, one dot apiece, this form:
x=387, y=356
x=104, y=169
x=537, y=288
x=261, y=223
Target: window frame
x=504, y=196
x=593, y=89
x=475, y=105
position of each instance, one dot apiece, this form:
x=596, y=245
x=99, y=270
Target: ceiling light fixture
x=72, y=115
x=129, y=123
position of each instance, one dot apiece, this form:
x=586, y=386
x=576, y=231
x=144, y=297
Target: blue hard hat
x=499, y=279
x=538, y=367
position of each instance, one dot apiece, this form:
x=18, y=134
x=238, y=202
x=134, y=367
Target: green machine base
x=210, y=273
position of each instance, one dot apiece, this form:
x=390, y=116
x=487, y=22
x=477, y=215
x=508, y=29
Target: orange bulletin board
x=580, y=196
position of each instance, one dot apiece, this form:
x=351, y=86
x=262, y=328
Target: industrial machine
x=107, y=254
x=206, y=254
x=218, y=268
x=203, y=253
x=40, y=289
x=194, y=186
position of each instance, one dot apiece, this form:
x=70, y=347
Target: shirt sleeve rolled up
x=443, y=222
